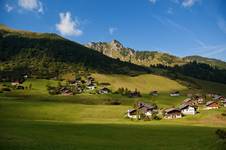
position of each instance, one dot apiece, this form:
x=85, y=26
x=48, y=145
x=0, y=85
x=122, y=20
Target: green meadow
x=33, y=119
x=54, y=125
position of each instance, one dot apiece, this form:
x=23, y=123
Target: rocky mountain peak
x=115, y=42
x=116, y=45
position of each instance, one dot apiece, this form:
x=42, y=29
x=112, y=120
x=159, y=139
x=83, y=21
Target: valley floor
x=30, y=124
x=35, y=120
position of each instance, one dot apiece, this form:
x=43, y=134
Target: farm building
x=217, y=97
x=90, y=80
x=223, y=102
x=212, y=105
x=141, y=109
x=187, y=109
x=104, y=91
x=91, y=86
x=177, y=93
x=15, y=83
x=172, y=113
x=132, y=114
x=154, y=93
x=67, y=92
x=200, y=100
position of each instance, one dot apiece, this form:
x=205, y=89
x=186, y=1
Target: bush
x=224, y=114
x=6, y=89
x=221, y=134
x=112, y=102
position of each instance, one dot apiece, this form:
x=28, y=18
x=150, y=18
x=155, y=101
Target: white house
x=91, y=87
x=104, y=91
x=187, y=109
x=15, y=83
x=224, y=102
x=175, y=94
x=132, y=114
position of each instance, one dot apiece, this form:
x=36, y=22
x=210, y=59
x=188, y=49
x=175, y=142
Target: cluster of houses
x=188, y=107
x=79, y=86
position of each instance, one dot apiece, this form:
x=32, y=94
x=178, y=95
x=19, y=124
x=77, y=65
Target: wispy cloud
x=202, y=48
x=152, y=1
x=189, y=3
x=208, y=50
x=222, y=24
x=168, y=22
x=112, y=30
x=31, y=5
x=68, y=26
x=170, y=11
x=8, y=7
x=186, y=3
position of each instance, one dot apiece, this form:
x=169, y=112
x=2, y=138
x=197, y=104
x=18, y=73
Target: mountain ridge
x=147, y=58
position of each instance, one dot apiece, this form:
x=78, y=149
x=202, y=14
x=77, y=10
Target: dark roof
x=171, y=110
x=131, y=110
x=142, y=104
x=183, y=106
x=210, y=102
x=176, y=92
x=106, y=89
x=187, y=100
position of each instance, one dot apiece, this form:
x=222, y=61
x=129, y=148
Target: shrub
x=224, y=114
x=6, y=89
x=112, y=102
x=221, y=134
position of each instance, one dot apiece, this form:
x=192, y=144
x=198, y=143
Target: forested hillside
x=47, y=55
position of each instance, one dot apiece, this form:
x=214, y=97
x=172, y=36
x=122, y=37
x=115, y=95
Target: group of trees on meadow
x=127, y=92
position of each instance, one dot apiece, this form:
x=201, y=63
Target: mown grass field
x=42, y=125
x=33, y=119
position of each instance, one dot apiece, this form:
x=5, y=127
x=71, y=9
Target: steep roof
x=210, y=102
x=171, y=110
x=187, y=100
x=183, y=106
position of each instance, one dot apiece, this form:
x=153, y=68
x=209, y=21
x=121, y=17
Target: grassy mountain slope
x=46, y=54
x=210, y=61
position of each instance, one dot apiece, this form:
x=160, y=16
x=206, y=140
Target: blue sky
x=179, y=27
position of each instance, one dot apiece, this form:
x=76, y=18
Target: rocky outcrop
x=116, y=50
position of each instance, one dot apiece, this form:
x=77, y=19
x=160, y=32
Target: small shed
x=154, y=93
x=104, y=91
x=177, y=93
